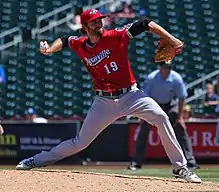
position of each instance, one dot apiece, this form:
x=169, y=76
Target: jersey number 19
x=112, y=67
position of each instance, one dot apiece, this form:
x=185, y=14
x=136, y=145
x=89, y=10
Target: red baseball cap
x=90, y=15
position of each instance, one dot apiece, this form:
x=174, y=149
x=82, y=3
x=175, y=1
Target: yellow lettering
x=8, y=153
x=8, y=140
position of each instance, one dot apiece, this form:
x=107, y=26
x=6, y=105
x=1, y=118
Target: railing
x=54, y=21
x=202, y=79
x=195, y=96
x=194, y=83
x=14, y=33
x=197, y=82
x=53, y=17
x=100, y=4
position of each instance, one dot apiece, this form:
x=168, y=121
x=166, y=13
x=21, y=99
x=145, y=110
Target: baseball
x=44, y=45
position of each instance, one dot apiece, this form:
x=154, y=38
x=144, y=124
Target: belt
x=115, y=93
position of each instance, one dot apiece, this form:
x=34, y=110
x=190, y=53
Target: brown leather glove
x=165, y=51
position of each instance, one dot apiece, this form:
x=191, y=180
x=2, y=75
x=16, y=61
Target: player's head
x=91, y=21
x=165, y=68
x=30, y=114
x=143, y=14
x=187, y=111
x=209, y=88
x=165, y=65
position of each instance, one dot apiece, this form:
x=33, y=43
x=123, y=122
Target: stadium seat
x=60, y=84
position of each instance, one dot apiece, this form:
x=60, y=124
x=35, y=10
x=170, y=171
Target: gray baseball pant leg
x=101, y=114
x=144, y=107
x=181, y=135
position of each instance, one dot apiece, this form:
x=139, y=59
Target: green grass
x=206, y=174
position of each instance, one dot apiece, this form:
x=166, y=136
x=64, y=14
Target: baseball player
x=105, y=55
x=165, y=85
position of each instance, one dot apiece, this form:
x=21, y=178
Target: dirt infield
x=68, y=181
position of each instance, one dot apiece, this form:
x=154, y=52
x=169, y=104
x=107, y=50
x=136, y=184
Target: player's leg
x=140, y=146
x=136, y=103
x=184, y=141
x=147, y=109
x=102, y=113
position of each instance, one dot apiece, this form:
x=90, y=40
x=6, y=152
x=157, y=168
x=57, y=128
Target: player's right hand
x=45, y=48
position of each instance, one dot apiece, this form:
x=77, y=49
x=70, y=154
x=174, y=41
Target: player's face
x=209, y=88
x=95, y=27
x=165, y=71
x=30, y=116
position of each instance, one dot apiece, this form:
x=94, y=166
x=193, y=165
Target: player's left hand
x=166, y=50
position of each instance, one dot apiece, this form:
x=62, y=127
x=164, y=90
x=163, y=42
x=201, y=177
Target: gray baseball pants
x=106, y=110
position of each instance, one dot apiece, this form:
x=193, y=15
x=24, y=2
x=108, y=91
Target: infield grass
x=206, y=174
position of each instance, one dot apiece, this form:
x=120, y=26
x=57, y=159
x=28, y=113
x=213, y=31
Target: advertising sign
x=203, y=138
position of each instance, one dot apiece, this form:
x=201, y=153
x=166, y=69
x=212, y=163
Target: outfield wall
x=116, y=143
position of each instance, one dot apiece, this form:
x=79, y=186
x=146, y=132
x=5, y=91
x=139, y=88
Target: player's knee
x=80, y=143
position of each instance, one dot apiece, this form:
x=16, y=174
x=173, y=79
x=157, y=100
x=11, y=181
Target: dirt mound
x=67, y=181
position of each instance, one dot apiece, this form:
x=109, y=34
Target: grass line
x=206, y=174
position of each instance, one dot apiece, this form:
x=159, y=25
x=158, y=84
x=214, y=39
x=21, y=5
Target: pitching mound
x=67, y=181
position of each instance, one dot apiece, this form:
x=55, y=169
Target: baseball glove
x=165, y=51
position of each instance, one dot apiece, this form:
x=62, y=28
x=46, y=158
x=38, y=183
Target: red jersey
x=107, y=61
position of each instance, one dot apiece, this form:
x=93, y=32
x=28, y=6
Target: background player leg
x=102, y=113
x=140, y=146
x=184, y=141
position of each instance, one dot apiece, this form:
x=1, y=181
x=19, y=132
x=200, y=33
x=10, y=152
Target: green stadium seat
x=60, y=84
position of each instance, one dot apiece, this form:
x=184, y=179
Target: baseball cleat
x=26, y=164
x=134, y=166
x=186, y=174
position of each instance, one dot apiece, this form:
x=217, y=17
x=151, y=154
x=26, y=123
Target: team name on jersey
x=98, y=58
